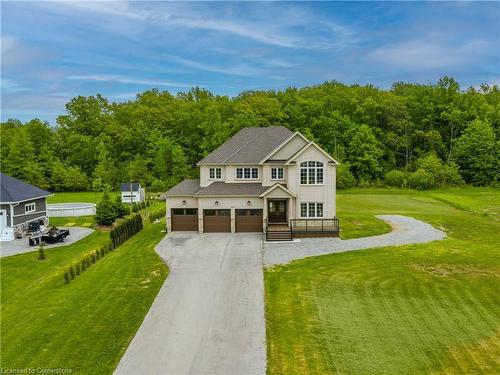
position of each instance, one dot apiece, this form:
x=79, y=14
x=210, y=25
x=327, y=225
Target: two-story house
x=260, y=180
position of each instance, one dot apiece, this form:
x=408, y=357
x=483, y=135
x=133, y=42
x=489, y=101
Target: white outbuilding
x=132, y=192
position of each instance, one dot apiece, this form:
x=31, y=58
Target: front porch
x=302, y=228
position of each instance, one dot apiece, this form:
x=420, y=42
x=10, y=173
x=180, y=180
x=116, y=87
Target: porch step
x=284, y=235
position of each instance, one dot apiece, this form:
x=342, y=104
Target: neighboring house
x=260, y=180
x=20, y=204
x=132, y=192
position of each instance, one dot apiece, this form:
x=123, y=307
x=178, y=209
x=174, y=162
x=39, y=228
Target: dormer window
x=215, y=173
x=276, y=173
x=311, y=173
x=247, y=173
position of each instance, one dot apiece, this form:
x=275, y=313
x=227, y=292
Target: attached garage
x=249, y=220
x=216, y=221
x=184, y=219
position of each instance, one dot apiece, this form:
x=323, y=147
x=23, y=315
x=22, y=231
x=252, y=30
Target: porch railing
x=315, y=225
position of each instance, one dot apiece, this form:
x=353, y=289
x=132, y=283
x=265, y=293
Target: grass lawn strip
x=416, y=309
x=87, y=324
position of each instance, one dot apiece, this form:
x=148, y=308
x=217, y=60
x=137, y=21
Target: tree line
x=439, y=131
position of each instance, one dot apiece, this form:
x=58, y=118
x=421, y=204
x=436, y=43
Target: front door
x=276, y=210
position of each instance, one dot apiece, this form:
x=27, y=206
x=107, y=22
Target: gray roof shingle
x=126, y=186
x=14, y=190
x=248, y=146
x=185, y=188
x=232, y=189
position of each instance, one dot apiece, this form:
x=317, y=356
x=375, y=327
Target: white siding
x=266, y=174
x=205, y=174
x=289, y=149
x=314, y=193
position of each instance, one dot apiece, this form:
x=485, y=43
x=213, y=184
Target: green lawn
x=87, y=324
x=416, y=309
x=79, y=196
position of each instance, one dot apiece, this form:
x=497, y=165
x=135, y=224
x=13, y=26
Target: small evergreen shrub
x=66, y=277
x=71, y=273
x=105, y=211
x=77, y=269
x=41, y=252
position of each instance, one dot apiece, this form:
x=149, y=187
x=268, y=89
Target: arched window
x=311, y=173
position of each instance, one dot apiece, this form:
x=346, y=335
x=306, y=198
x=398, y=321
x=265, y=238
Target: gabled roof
x=128, y=186
x=277, y=186
x=248, y=146
x=216, y=189
x=311, y=143
x=13, y=190
x=283, y=144
x=185, y=188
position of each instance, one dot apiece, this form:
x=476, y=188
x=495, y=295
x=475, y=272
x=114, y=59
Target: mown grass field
x=79, y=196
x=417, y=309
x=87, y=324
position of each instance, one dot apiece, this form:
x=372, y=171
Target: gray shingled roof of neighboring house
x=126, y=186
x=248, y=146
x=14, y=190
x=231, y=189
x=185, y=188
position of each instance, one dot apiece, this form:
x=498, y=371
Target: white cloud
x=429, y=53
x=128, y=80
x=238, y=70
x=273, y=25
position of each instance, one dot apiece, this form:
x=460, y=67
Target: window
x=247, y=173
x=276, y=173
x=30, y=207
x=311, y=173
x=215, y=173
x=311, y=209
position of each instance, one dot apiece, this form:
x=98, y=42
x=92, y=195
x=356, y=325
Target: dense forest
x=414, y=135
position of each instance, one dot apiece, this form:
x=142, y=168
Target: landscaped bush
x=421, y=180
x=120, y=209
x=105, y=211
x=126, y=229
x=395, y=178
x=159, y=214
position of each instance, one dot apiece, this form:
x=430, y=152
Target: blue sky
x=53, y=51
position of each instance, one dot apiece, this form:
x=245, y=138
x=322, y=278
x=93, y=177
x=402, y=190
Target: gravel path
x=208, y=317
x=21, y=245
x=405, y=230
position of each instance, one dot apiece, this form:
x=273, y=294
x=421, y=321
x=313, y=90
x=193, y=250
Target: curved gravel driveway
x=405, y=230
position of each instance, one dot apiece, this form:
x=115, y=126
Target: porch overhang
x=278, y=186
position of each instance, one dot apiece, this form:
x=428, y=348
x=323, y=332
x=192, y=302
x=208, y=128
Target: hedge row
x=88, y=260
x=157, y=215
x=126, y=229
x=118, y=235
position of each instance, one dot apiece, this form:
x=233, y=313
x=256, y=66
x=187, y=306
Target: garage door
x=184, y=219
x=249, y=220
x=216, y=221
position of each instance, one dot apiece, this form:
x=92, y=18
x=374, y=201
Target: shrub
x=395, y=178
x=443, y=175
x=66, y=277
x=135, y=207
x=421, y=180
x=92, y=258
x=83, y=265
x=71, y=273
x=41, y=252
x=120, y=209
x=77, y=269
x=156, y=215
x=345, y=179
x=105, y=211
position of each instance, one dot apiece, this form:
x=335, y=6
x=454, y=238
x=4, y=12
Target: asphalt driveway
x=208, y=317
x=20, y=245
